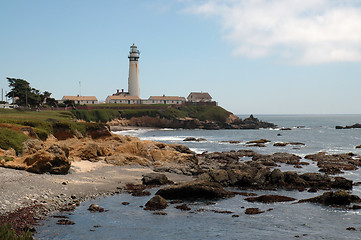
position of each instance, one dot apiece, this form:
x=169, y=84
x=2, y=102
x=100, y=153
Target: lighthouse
x=133, y=80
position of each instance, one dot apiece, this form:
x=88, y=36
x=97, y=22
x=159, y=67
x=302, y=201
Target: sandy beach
x=86, y=179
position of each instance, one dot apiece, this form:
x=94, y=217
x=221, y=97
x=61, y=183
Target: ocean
x=279, y=221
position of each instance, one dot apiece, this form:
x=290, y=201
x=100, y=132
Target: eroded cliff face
x=55, y=156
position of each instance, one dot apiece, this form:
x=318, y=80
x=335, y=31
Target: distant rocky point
x=357, y=125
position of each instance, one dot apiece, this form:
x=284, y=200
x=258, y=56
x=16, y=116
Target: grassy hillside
x=214, y=113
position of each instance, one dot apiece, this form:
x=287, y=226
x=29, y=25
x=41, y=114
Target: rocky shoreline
x=232, y=122
x=59, y=174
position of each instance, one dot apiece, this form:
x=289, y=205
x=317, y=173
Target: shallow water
x=284, y=221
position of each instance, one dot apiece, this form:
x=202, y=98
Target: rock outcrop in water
x=335, y=163
x=226, y=169
x=195, y=190
x=340, y=197
x=357, y=125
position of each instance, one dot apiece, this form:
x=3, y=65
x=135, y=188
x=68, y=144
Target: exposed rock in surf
x=156, y=203
x=195, y=190
x=340, y=197
x=270, y=199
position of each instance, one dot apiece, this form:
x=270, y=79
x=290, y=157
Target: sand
x=20, y=189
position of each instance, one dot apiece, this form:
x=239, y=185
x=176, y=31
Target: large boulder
x=154, y=179
x=156, y=203
x=53, y=160
x=195, y=190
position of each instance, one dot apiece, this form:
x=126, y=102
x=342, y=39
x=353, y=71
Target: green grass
x=6, y=158
x=213, y=113
x=10, y=138
x=6, y=233
x=96, y=115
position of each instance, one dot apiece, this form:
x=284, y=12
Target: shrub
x=96, y=115
x=12, y=139
x=6, y=233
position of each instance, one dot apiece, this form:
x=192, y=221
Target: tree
x=25, y=95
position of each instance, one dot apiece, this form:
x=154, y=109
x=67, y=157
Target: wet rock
x=155, y=179
x=340, y=197
x=259, y=141
x=284, y=157
x=183, y=207
x=351, y=229
x=333, y=164
x=95, y=208
x=235, y=215
x=139, y=193
x=156, y=203
x=160, y=213
x=357, y=125
x=195, y=190
x=253, y=211
x=222, y=212
x=125, y=203
x=342, y=183
x=65, y=222
x=270, y=199
x=285, y=129
x=193, y=139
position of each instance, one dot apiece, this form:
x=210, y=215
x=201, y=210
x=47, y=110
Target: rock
x=342, y=183
x=156, y=203
x=125, y=203
x=192, y=139
x=277, y=178
x=220, y=176
x=259, y=141
x=356, y=207
x=65, y=222
x=97, y=131
x=183, y=207
x=285, y=129
x=235, y=215
x=45, y=161
x=160, y=213
x=95, y=208
x=154, y=179
x=358, y=146
x=195, y=190
x=340, y=197
x=357, y=125
x=140, y=193
x=270, y=199
x=253, y=211
x=351, y=229
x=333, y=164
x=280, y=144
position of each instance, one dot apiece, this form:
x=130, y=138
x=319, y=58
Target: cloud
x=302, y=32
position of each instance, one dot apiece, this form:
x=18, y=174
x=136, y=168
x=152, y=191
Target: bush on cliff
x=10, y=138
x=96, y=115
x=203, y=113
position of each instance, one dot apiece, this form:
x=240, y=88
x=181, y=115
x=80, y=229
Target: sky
x=252, y=56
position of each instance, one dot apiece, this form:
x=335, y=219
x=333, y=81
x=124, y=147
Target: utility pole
x=79, y=88
x=2, y=94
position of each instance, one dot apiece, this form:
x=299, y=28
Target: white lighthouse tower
x=133, y=80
